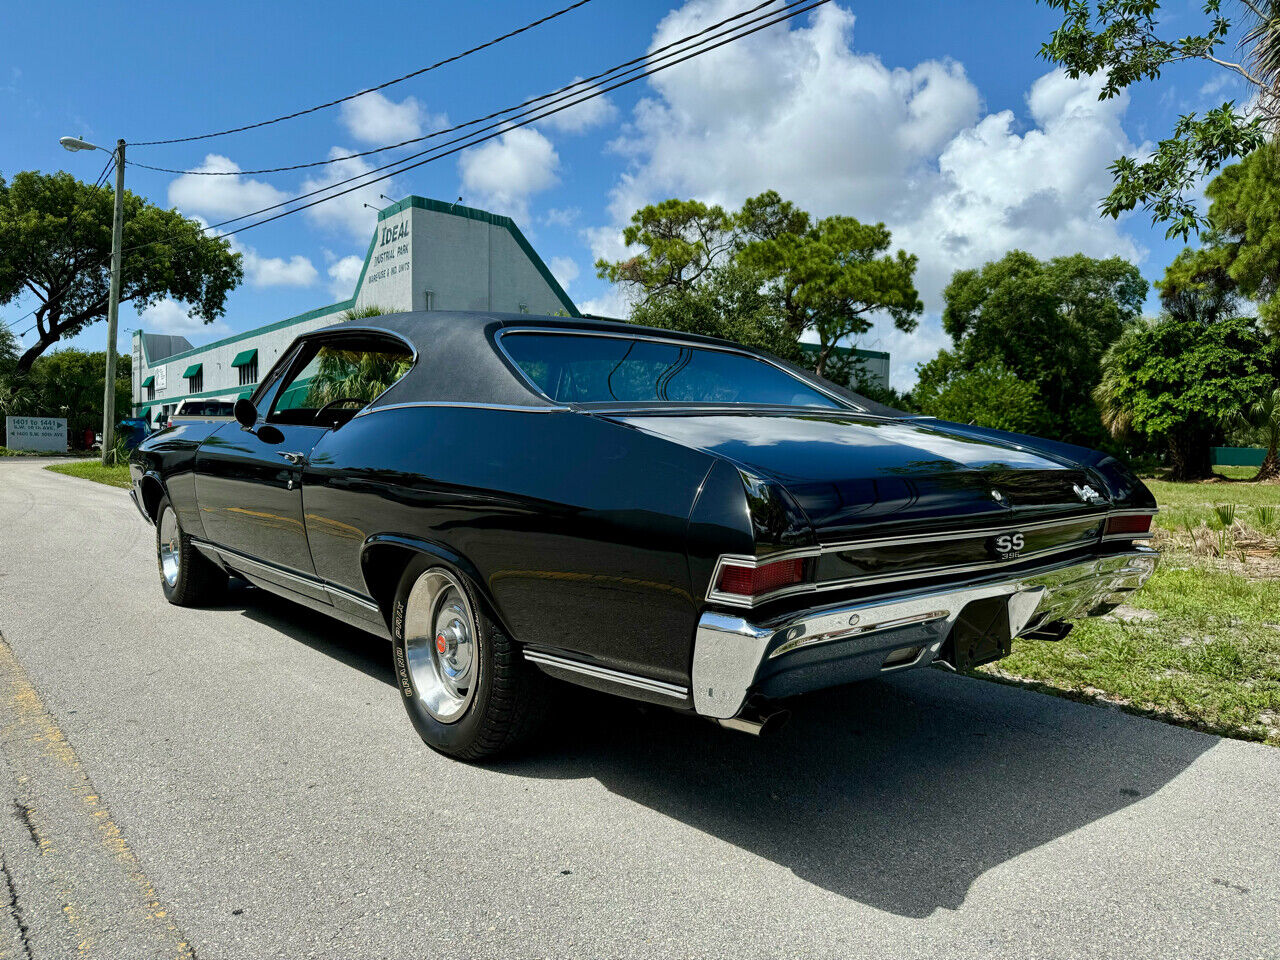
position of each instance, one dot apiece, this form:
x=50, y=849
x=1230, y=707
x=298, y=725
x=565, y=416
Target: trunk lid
x=857, y=476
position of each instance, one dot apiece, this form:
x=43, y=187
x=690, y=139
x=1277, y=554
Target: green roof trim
x=244, y=394
x=150, y=381
x=245, y=357
x=194, y=369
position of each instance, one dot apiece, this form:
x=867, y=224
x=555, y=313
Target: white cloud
x=561, y=216
x=348, y=211
x=375, y=119
x=564, y=269
x=799, y=111
x=222, y=197
x=260, y=271
x=297, y=271
x=343, y=275
x=584, y=115
x=503, y=174
x=169, y=316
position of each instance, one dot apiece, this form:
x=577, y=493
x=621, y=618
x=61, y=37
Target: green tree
x=8, y=351
x=1177, y=380
x=834, y=277
x=68, y=383
x=1124, y=42
x=1046, y=322
x=990, y=395
x=1262, y=418
x=731, y=304
x=682, y=240
x=55, y=244
x=1245, y=237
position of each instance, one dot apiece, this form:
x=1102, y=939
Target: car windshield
x=587, y=368
x=210, y=408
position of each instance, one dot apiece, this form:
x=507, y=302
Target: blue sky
x=937, y=118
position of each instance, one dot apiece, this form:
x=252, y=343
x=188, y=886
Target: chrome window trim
x=736, y=600
x=325, y=335
x=462, y=405
x=607, y=673
x=842, y=402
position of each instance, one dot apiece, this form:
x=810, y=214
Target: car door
x=249, y=481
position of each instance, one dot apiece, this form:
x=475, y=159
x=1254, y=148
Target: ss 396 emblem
x=1007, y=545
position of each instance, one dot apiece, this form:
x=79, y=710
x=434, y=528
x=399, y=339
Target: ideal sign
x=46, y=434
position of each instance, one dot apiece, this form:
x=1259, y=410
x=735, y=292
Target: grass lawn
x=117, y=476
x=1200, y=644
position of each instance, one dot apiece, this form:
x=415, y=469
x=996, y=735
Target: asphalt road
x=241, y=782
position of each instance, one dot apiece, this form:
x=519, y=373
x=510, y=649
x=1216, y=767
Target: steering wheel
x=334, y=403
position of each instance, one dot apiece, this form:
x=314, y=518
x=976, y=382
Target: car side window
x=333, y=378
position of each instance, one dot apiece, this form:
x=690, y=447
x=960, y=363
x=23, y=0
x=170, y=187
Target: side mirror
x=246, y=413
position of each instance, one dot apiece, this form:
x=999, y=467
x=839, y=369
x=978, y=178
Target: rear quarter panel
x=575, y=525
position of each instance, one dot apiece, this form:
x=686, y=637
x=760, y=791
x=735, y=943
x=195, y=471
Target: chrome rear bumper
x=830, y=645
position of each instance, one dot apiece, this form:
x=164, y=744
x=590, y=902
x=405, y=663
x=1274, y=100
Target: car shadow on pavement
x=321, y=632
x=898, y=793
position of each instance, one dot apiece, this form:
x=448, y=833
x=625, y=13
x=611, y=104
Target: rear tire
x=187, y=577
x=468, y=691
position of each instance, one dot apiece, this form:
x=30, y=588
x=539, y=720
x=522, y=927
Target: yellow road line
x=40, y=756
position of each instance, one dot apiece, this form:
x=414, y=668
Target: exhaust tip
x=759, y=723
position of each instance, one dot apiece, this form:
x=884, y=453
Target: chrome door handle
x=297, y=459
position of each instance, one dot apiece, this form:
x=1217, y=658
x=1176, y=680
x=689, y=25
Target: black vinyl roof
x=459, y=361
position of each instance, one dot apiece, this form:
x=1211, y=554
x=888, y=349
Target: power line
x=786, y=12
x=102, y=177
x=438, y=152
x=381, y=86
x=569, y=90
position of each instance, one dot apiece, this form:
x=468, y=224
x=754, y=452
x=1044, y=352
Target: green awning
x=245, y=357
x=145, y=413
x=194, y=369
x=150, y=381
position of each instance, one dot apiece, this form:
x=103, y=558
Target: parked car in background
x=663, y=516
x=191, y=411
x=133, y=430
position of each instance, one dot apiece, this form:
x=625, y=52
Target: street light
x=75, y=144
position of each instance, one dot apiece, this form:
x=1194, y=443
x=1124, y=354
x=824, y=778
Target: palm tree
x=1263, y=43
x=1264, y=416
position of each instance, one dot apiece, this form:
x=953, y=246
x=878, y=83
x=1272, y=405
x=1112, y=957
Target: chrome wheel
x=170, y=547
x=441, y=645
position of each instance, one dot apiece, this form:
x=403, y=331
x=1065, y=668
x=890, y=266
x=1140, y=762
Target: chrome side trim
x=729, y=651
x=236, y=558
x=605, y=673
x=734, y=600
x=843, y=402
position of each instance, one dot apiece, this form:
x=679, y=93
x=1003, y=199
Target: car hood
x=849, y=471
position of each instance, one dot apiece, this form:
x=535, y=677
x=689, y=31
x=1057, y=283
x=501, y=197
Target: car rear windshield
x=589, y=368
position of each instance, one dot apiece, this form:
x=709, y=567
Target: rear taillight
x=1128, y=524
x=746, y=581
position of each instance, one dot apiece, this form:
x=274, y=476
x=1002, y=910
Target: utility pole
x=113, y=301
x=113, y=312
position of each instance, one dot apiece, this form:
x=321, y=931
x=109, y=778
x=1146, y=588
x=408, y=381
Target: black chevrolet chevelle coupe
x=662, y=516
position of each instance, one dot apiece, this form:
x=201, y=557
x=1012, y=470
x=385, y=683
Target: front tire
x=187, y=577
x=468, y=691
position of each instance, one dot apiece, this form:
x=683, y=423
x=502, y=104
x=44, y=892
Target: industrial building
x=424, y=255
